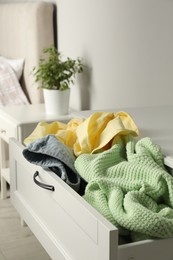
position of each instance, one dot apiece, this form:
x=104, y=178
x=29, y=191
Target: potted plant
x=55, y=75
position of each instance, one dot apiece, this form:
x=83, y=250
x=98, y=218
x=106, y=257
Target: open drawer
x=65, y=224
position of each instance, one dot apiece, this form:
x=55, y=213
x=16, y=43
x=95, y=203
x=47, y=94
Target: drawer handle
x=3, y=131
x=42, y=185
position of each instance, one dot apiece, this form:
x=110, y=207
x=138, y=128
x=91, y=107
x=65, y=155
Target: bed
x=65, y=224
x=25, y=29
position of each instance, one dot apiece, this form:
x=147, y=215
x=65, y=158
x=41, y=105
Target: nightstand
x=19, y=122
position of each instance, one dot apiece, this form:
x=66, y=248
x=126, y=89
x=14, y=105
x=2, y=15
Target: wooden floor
x=17, y=242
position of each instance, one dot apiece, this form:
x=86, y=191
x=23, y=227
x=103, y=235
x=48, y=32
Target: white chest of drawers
x=66, y=225
x=18, y=122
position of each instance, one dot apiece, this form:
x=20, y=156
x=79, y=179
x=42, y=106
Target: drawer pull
x=42, y=185
x=3, y=131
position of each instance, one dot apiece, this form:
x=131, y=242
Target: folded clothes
x=49, y=152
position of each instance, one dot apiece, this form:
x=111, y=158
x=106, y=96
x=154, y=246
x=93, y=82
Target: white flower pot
x=56, y=101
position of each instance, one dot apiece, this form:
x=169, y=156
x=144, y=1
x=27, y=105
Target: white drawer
x=65, y=224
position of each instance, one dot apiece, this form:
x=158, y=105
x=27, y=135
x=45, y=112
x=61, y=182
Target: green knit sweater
x=129, y=185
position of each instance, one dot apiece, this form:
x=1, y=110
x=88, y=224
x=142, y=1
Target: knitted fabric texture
x=129, y=185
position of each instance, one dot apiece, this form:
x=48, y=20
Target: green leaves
x=55, y=73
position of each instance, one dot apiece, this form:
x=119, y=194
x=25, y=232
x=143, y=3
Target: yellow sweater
x=99, y=131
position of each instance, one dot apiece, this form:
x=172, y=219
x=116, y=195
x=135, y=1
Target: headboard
x=25, y=29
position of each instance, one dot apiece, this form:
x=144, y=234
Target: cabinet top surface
x=25, y=114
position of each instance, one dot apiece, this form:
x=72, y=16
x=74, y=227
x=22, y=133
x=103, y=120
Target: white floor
x=17, y=242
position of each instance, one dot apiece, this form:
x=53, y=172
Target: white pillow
x=16, y=65
x=11, y=92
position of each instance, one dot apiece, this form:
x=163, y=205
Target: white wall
x=128, y=47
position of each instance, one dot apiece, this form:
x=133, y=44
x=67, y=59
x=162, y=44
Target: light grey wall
x=128, y=49
x=128, y=46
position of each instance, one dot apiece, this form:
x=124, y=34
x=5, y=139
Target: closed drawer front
x=7, y=129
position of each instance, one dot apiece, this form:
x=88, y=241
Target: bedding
x=11, y=92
